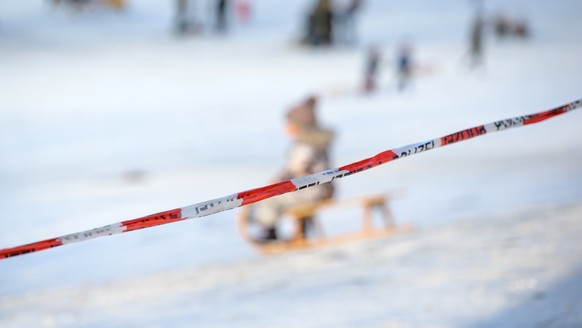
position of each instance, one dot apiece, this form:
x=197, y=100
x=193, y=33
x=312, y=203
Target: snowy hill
x=519, y=269
x=109, y=116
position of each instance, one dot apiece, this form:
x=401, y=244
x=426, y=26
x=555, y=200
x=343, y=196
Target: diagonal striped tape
x=256, y=195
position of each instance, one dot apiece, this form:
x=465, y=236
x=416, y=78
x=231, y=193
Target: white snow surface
x=109, y=116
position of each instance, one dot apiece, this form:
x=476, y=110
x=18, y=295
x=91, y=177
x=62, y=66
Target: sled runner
x=306, y=231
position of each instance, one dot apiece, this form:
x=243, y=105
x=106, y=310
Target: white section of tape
x=317, y=178
x=417, y=148
x=211, y=206
x=93, y=233
x=574, y=105
x=505, y=124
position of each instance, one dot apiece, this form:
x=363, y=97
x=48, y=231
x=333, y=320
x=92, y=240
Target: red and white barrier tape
x=258, y=194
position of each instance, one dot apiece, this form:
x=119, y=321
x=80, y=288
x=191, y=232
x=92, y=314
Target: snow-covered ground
x=520, y=269
x=109, y=116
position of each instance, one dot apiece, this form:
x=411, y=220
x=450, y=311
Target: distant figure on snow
x=319, y=31
x=506, y=26
x=243, y=11
x=184, y=20
x=371, y=69
x=404, y=68
x=221, y=15
x=476, y=40
x=345, y=25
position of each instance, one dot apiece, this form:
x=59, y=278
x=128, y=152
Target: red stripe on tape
x=531, y=119
x=30, y=248
x=258, y=194
x=153, y=220
x=463, y=135
x=381, y=158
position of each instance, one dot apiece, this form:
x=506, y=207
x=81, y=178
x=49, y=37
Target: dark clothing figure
x=320, y=24
x=521, y=30
x=221, y=15
x=371, y=70
x=476, y=40
x=502, y=25
x=507, y=27
x=404, y=66
x=184, y=20
x=345, y=26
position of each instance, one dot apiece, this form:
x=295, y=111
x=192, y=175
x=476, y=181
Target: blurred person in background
x=319, y=31
x=243, y=10
x=371, y=69
x=185, y=18
x=502, y=25
x=345, y=25
x=404, y=65
x=476, y=39
x=221, y=12
x=308, y=154
x=506, y=27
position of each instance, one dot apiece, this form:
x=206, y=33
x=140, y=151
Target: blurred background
x=116, y=109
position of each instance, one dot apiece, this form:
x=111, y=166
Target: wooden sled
x=370, y=205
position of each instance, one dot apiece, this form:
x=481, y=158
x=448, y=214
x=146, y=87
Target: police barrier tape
x=256, y=195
